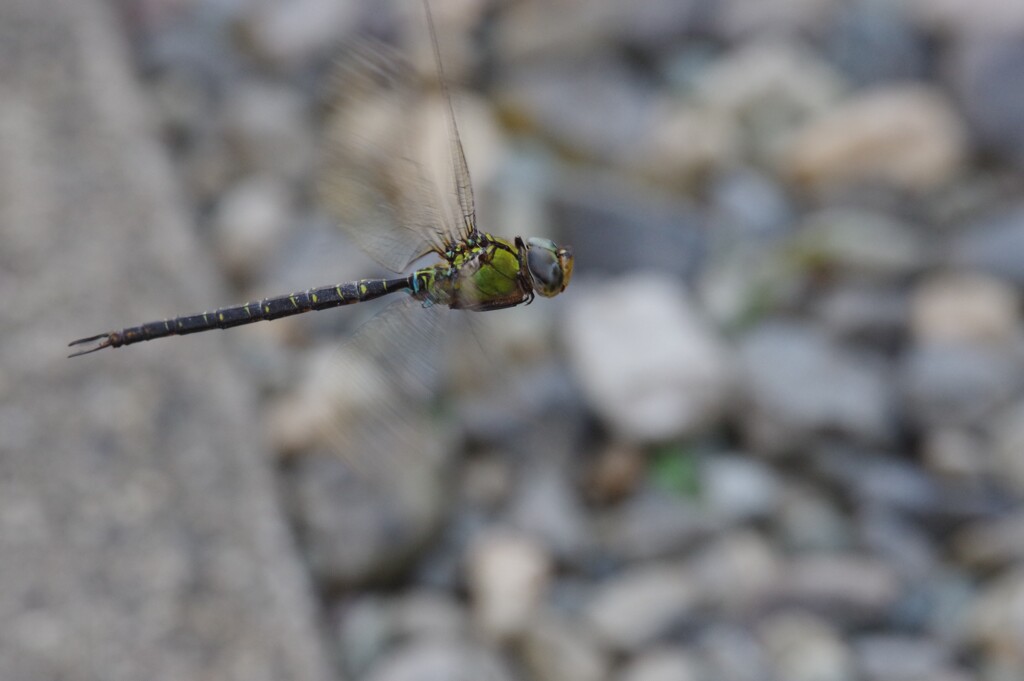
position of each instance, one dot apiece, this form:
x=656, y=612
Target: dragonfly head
x=550, y=266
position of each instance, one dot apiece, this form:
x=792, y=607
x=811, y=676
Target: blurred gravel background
x=773, y=431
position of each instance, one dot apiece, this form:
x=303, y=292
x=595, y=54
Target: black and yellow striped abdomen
x=255, y=311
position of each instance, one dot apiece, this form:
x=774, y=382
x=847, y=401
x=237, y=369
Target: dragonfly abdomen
x=255, y=311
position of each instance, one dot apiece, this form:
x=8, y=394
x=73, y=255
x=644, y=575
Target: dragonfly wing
x=373, y=179
x=463, y=184
x=384, y=380
x=371, y=401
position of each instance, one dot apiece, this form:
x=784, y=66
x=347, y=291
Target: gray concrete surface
x=139, y=533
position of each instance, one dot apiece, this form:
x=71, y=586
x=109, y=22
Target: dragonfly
x=475, y=270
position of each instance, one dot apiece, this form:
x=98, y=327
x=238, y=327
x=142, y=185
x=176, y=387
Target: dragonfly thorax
x=493, y=273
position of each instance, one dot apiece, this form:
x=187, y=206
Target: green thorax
x=484, y=275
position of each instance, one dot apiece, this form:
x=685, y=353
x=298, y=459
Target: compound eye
x=545, y=267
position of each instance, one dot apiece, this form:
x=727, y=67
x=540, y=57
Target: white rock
x=508, y=575
x=908, y=137
x=555, y=650
x=802, y=647
x=290, y=32
x=248, y=222
x=647, y=360
x=970, y=308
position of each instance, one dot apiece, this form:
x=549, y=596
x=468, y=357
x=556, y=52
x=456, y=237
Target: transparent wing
x=463, y=184
x=371, y=399
x=393, y=422
x=373, y=179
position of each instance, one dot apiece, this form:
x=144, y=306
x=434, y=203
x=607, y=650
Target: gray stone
x=590, y=105
x=184, y=101
x=653, y=523
x=802, y=647
x=618, y=227
x=875, y=41
x=993, y=243
x=369, y=626
x=951, y=452
x=769, y=88
x=295, y=32
x=731, y=651
x=360, y=526
x=440, y=660
x=553, y=29
x=1007, y=442
x=425, y=614
x=557, y=650
x=661, y=664
x=737, y=573
x=809, y=519
x=487, y=481
x=901, y=658
x=991, y=544
x=849, y=588
x=648, y=361
x=874, y=314
x=546, y=507
x=750, y=205
x=907, y=137
x=988, y=78
x=750, y=19
x=249, y=222
x=945, y=384
x=981, y=18
x=207, y=167
x=739, y=487
x=139, y=530
x=365, y=630
x=684, y=144
x=799, y=384
x=641, y=605
x=992, y=621
x=860, y=242
x=881, y=481
x=268, y=130
x=887, y=534
x=948, y=597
